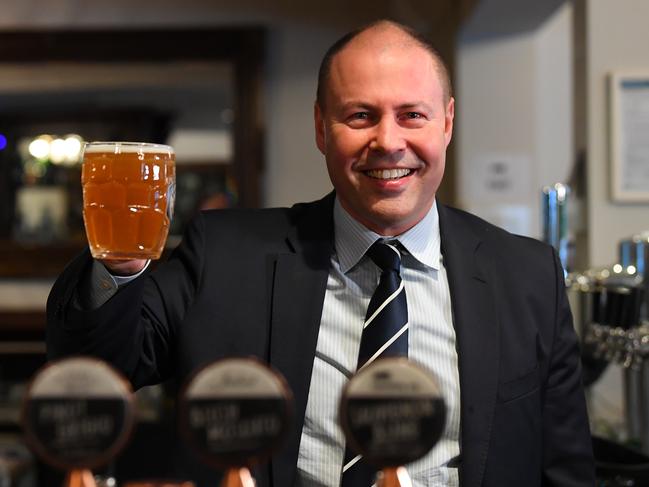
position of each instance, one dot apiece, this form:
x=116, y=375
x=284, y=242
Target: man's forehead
x=410, y=56
x=378, y=42
x=379, y=46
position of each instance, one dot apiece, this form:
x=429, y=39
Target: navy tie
x=385, y=333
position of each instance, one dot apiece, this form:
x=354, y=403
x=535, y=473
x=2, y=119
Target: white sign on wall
x=629, y=123
x=500, y=178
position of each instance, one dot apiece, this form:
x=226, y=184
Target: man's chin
x=392, y=221
x=386, y=216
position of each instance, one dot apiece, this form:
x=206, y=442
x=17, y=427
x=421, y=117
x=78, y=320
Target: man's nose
x=388, y=137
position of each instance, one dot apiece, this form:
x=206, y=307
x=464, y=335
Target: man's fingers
x=124, y=267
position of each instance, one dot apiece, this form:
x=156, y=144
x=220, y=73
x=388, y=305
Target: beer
x=128, y=195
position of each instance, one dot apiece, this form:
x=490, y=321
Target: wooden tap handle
x=238, y=477
x=394, y=477
x=80, y=478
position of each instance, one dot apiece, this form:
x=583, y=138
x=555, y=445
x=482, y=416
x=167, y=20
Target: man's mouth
x=388, y=173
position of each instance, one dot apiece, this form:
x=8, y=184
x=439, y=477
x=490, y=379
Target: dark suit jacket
x=253, y=283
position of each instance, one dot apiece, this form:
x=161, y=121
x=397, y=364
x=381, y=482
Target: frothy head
x=128, y=148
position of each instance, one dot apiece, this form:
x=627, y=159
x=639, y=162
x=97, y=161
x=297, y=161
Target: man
x=487, y=311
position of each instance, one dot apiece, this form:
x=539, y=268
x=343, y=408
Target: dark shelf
x=19, y=260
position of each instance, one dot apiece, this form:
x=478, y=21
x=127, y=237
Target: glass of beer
x=128, y=198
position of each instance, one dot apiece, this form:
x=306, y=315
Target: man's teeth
x=388, y=173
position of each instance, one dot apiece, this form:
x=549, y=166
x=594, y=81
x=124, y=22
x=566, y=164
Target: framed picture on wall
x=629, y=141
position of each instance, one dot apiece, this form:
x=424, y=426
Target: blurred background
x=231, y=85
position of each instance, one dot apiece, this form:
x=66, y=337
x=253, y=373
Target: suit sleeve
x=567, y=446
x=135, y=329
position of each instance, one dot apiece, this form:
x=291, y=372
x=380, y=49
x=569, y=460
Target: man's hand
x=124, y=267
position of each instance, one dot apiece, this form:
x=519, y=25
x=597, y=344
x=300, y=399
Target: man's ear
x=448, y=121
x=320, y=136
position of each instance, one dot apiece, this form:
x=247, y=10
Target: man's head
x=336, y=47
x=383, y=119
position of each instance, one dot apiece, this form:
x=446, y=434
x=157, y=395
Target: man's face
x=384, y=129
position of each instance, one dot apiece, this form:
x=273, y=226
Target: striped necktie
x=385, y=333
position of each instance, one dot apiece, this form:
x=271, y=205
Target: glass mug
x=128, y=197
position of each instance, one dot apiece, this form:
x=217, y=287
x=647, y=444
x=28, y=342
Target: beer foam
x=127, y=148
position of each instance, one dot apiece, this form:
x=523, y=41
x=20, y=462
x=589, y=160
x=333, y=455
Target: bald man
x=487, y=311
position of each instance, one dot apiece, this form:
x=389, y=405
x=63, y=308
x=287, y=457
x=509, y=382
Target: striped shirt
x=431, y=343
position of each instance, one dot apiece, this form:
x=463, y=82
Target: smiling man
x=383, y=122
x=481, y=309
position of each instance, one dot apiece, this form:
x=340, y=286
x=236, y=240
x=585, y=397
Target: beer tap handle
x=80, y=478
x=238, y=477
x=393, y=477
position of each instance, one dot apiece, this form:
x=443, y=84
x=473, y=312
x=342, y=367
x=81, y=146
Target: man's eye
x=360, y=116
x=413, y=115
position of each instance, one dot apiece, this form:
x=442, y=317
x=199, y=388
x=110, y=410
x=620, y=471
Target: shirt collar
x=352, y=239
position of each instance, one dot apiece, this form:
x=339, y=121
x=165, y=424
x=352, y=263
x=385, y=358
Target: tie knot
x=386, y=256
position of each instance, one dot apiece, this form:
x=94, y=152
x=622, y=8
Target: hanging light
x=57, y=151
x=39, y=148
x=73, y=145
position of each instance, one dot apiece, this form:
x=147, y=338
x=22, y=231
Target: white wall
x=617, y=39
x=514, y=108
x=296, y=171
x=553, y=80
x=495, y=122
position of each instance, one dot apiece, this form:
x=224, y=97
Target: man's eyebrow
x=356, y=104
x=416, y=105
x=368, y=106
x=361, y=105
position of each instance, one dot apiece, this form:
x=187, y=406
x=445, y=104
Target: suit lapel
x=298, y=288
x=477, y=332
